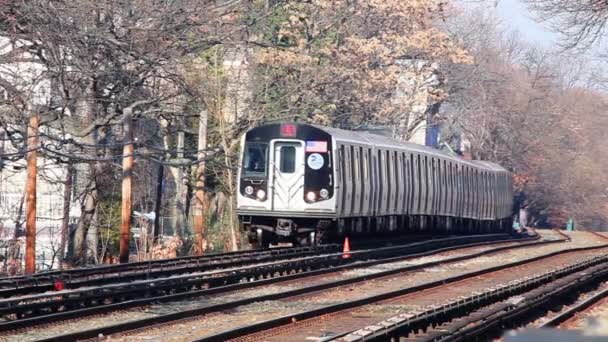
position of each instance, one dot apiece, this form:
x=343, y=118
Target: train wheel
x=262, y=240
x=317, y=238
x=341, y=227
x=368, y=225
x=392, y=224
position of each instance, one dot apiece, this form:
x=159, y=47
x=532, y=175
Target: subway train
x=304, y=184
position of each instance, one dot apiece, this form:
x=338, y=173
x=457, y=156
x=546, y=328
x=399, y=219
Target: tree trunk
x=78, y=238
x=88, y=207
x=199, y=194
x=158, y=203
x=32, y=170
x=178, y=210
x=65, y=223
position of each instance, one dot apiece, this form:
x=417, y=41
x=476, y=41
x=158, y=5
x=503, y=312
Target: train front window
x=288, y=159
x=255, y=160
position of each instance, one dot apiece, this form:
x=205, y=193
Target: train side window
x=479, y=182
x=396, y=190
x=391, y=177
x=340, y=165
x=451, y=185
x=404, y=177
x=356, y=177
x=288, y=159
x=438, y=186
x=476, y=190
x=442, y=186
x=419, y=182
x=342, y=175
x=373, y=173
x=491, y=182
x=418, y=168
x=482, y=192
x=454, y=190
x=424, y=168
x=412, y=184
x=463, y=187
x=490, y=194
x=433, y=185
x=456, y=197
x=467, y=191
x=362, y=181
x=387, y=177
x=355, y=169
x=448, y=186
x=370, y=168
x=473, y=190
x=486, y=196
x=380, y=179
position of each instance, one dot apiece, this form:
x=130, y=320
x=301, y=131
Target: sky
x=516, y=16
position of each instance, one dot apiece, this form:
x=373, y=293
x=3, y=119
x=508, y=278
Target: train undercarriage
x=265, y=231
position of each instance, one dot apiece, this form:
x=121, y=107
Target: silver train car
x=306, y=184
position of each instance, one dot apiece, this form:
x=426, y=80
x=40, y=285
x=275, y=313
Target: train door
x=288, y=176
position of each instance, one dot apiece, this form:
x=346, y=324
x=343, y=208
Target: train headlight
x=261, y=194
x=249, y=190
x=311, y=196
x=324, y=193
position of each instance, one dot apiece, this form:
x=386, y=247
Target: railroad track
x=485, y=315
x=36, y=309
x=107, y=274
x=575, y=310
x=344, y=315
x=301, y=279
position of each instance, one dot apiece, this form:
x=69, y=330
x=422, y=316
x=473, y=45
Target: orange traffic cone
x=346, y=249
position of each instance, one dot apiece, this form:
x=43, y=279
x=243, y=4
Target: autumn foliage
x=337, y=62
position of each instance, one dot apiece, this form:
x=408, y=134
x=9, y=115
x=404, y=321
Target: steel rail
x=107, y=274
x=437, y=320
x=575, y=309
x=38, y=305
x=487, y=318
x=285, y=320
x=127, y=326
x=147, y=270
x=74, y=273
x=305, y=259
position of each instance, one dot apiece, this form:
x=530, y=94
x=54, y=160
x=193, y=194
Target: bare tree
x=582, y=23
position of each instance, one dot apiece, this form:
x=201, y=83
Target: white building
x=413, y=94
x=28, y=77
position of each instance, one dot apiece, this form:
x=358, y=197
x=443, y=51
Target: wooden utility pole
x=199, y=194
x=127, y=173
x=30, y=189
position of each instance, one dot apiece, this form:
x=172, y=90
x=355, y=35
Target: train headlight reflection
x=311, y=196
x=249, y=190
x=324, y=193
x=261, y=194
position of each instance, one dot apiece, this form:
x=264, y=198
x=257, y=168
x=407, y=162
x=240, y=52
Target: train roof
x=383, y=141
x=366, y=138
